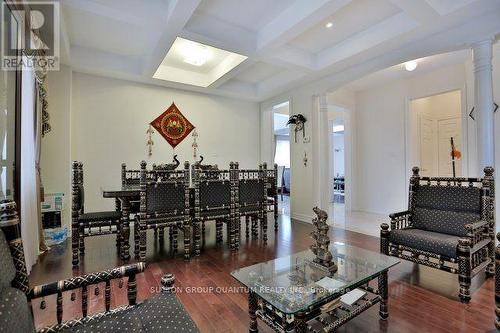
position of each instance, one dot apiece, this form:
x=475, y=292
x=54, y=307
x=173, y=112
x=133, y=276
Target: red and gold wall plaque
x=172, y=125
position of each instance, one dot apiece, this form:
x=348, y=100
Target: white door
x=428, y=153
x=447, y=129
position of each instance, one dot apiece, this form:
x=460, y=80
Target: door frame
x=326, y=159
x=268, y=116
x=464, y=129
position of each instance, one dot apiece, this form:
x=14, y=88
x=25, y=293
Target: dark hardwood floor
x=420, y=299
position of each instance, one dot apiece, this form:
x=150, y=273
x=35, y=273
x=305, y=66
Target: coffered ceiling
x=288, y=43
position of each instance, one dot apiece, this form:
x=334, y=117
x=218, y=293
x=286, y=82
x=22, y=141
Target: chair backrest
x=15, y=313
x=447, y=205
x=78, y=204
x=130, y=177
x=214, y=190
x=252, y=189
x=11, y=230
x=164, y=193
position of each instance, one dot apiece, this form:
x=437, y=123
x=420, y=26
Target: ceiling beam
x=388, y=29
x=291, y=58
x=111, y=13
x=420, y=11
x=180, y=11
x=214, y=32
x=296, y=19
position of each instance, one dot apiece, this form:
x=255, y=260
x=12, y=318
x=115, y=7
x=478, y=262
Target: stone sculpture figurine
x=320, y=235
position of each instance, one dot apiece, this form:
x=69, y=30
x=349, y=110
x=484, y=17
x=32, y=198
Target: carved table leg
x=197, y=237
x=218, y=231
x=161, y=234
x=175, y=245
x=125, y=229
x=187, y=241
x=252, y=308
x=136, y=239
x=263, y=221
x=247, y=226
x=118, y=208
x=300, y=322
x=255, y=225
x=383, y=288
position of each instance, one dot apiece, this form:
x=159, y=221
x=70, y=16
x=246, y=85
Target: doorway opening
x=281, y=113
x=436, y=135
x=339, y=162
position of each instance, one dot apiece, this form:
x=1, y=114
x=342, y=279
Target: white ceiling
x=286, y=41
x=397, y=72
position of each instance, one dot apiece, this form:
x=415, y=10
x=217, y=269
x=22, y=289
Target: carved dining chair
x=130, y=177
x=164, y=203
x=252, y=201
x=88, y=224
x=160, y=313
x=275, y=185
x=214, y=200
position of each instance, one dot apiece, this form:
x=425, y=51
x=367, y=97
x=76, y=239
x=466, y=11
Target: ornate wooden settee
x=449, y=225
x=161, y=313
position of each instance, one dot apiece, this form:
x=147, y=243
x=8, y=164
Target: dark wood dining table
x=123, y=195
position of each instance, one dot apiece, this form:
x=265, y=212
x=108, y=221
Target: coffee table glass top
x=295, y=282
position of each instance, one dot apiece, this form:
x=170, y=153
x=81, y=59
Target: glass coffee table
x=295, y=293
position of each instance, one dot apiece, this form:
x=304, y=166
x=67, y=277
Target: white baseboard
x=302, y=217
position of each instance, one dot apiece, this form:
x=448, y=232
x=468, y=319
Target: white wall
x=56, y=145
x=109, y=119
x=381, y=161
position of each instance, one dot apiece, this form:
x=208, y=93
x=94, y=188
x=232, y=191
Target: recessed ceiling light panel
x=195, y=54
x=197, y=64
x=329, y=25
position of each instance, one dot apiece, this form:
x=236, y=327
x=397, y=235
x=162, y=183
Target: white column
x=483, y=100
x=324, y=158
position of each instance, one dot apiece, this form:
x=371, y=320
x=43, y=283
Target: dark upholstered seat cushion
x=459, y=199
x=7, y=269
x=162, y=313
x=429, y=241
x=101, y=216
x=444, y=221
x=118, y=322
x=15, y=313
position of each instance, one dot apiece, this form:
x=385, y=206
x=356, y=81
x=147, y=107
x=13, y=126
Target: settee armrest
x=400, y=220
x=83, y=281
x=478, y=232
